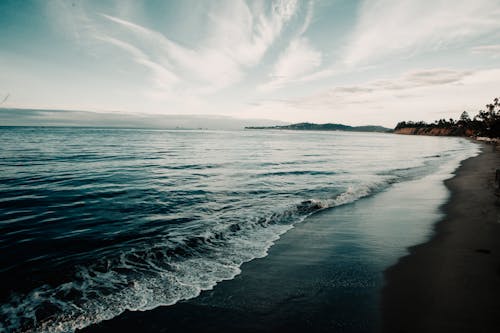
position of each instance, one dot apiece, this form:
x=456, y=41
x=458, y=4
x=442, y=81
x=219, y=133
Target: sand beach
x=327, y=276
x=452, y=282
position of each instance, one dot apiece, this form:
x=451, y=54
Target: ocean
x=94, y=221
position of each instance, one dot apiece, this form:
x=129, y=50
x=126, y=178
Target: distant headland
x=323, y=127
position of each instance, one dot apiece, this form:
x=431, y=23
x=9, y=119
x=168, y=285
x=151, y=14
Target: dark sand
x=452, y=282
x=326, y=274
x=305, y=284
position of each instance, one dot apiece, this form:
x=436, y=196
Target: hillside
x=324, y=127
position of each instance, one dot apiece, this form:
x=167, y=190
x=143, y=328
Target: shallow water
x=96, y=221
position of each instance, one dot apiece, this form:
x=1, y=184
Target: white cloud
x=422, y=78
x=298, y=59
x=404, y=85
x=163, y=77
x=277, y=43
x=238, y=39
x=194, y=66
x=402, y=27
x=425, y=94
x=245, y=33
x=491, y=50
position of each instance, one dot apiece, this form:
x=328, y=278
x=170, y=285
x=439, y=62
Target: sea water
x=97, y=221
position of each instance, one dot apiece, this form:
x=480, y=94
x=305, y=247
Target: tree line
x=484, y=123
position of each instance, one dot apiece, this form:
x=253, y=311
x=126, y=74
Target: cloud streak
x=163, y=77
x=289, y=57
x=244, y=33
x=400, y=28
x=407, y=83
x=239, y=38
x=297, y=60
x=415, y=95
x=236, y=39
x=491, y=50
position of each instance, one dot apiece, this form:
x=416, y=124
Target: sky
x=341, y=61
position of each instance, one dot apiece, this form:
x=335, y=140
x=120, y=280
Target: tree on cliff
x=465, y=118
x=485, y=123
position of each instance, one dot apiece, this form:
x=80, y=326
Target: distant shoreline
x=323, y=275
x=324, y=127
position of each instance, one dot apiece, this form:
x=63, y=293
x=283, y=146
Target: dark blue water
x=97, y=221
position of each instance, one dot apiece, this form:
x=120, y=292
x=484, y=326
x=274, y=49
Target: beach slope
x=452, y=282
x=324, y=275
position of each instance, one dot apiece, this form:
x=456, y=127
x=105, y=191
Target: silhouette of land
x=486, y=123
x=324, y=127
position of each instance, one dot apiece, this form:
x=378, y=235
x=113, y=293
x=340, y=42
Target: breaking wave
x=95, y=227
x=158, y=274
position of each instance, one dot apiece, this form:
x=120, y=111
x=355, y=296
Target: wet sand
x=305, y=284
x=325, y=275
x=452, y=282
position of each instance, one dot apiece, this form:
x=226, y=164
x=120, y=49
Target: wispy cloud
x=216, y=56
x=422, y=78
x=491, y=50
x=192, y=65
x=298, y=59
x=403, y=27
x=390, y=30
x=162, y=76
x=238, y=36
x=415, y=95
x=370, y=93
x=244, y=33
x=407, y=82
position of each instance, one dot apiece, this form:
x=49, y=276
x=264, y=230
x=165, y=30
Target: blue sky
x=353, y=62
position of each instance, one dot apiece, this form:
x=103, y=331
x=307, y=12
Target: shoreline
x=324, y=275
x=451, y=283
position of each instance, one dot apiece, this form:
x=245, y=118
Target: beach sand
x=324, y=275
x=327, y=273
x=305, y=284
x=452, y=282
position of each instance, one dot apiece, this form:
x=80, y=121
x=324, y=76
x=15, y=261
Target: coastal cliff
x=485, y=124
x=434, y=131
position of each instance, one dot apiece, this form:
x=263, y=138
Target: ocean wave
x=162, y=218
x=151, y=275
x=297, y=173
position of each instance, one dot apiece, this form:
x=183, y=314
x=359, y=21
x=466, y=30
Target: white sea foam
x=196, y=254
x=107, y=294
